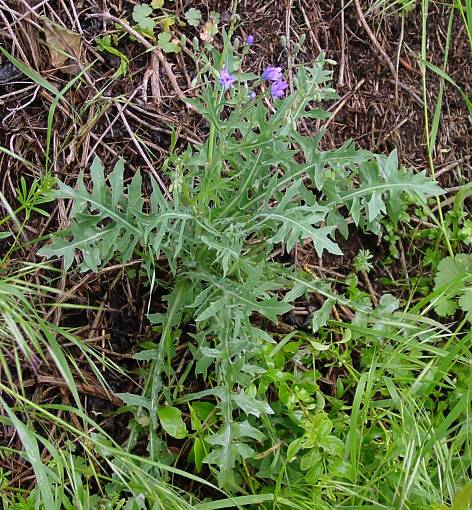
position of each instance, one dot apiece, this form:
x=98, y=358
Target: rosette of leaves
x=255, y=185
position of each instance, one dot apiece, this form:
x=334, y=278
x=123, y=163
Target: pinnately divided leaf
x=296, y=225
x=109, y=221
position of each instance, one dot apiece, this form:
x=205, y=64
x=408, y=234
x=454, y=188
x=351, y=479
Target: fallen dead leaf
x=208, y=32
x=63, y=44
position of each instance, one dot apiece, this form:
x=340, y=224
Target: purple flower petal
x=272, y=73
x=277, y=89
x=226, y=79
x=250, y=40
x=252, y=95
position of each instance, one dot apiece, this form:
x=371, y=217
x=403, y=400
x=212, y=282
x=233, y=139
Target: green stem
x=12, y=215
x=211, y=143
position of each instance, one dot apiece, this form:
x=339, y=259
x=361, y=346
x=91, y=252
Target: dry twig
x=376, y=43
x=167, y=67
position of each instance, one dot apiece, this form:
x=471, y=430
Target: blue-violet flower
x=277, y=89
x=226, y=79
x=272, y=73
x=250, y=40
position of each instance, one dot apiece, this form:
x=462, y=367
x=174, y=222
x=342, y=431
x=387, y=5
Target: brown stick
x=86, y=388
x=376, y=43
x=371, y=290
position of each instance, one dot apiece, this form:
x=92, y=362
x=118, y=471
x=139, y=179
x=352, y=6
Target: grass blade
x=32, y=452
x=30, y=73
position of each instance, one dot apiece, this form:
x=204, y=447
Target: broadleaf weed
x=257, y=183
